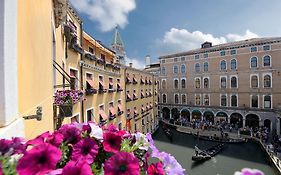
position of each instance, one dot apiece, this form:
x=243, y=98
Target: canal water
x=233, y=157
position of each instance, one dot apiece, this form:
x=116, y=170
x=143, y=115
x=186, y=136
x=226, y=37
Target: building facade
x=238, y=82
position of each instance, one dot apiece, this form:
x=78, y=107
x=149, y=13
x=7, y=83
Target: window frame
x=226, y=103
x=271, y=102
x=221, y=82
x=233, y=59
x=263, y=76
x=237, y=84
x=269, y=61
x=256, y=63
x=251, y=100
x=251, y=86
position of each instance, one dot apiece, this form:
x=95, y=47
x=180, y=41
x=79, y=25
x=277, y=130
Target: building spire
x=118, y=46
x=117, y=38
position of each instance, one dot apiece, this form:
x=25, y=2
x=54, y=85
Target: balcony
x=101, y=61
x=76, y=47
x=90, y=56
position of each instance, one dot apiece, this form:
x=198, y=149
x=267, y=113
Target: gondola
x=169, y=134
x=218, y=139
x=208, y=153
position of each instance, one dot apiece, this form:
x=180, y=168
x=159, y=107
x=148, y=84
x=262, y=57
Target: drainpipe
x=125, y=91
x=81, y=72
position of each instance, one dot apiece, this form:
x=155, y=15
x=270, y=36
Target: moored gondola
x=219, y=139
x=208, y=153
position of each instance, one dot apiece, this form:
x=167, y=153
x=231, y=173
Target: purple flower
x=39, y=139
x=171, y=165
x=248, y=171
x=112, y=128
x=55, y=139
x=39, y=160
x=5, y=146
x=112, y=142
x=122, y=163
x=70, y=133
x=77, y=168
x=18, y=146
x=10, y=147
x=86, y=149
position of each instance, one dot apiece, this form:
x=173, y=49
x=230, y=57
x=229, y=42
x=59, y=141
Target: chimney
x=130, y=64
x=147, y=61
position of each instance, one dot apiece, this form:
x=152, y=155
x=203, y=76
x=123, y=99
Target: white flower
x=96, y=131
x=142, y=141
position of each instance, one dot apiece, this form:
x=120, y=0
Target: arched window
x=223, y=100
x=206, y=83
x=176, y=69
x=267, y=81
x=197, y=67
x=197, y=100
x=233, y=64
x=183, y=99
x=176, y=83
x=267, y=101
x=233, y=82
x=197, y=83
x=206, y=67
x=266, y=60
x=183, y=69
x=223, y=82
x=234, y=100
x=183, y=83
x=255, y=101
x=206, y=100
x=254, y=62
x=164, y=98
x=163, y=71
x=254, y=81
x=176, y=98
x=163, y=84
x=223, y=65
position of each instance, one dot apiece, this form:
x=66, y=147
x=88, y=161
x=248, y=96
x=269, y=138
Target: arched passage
x=236, y=119
x=252, y=120
x=196, y=114
x=185, y=115
x=175, y=114
x=221, y=117
x=209, y=116
x=166, y=113
x=267, y=124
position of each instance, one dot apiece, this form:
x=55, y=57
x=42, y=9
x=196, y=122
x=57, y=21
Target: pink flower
x=39, y=139
x=71, y=134
x=112, y=128
x=39, y=160
x=154, y=169
x=122, y=163
x=86, y=149
x=112, y=142
x=77, y=168
x=10, y=147
x=1, y=173
x=248, y=171
x=55, y=139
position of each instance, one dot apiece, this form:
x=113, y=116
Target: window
x=205, y=55
x=223, y=100
x=206, y=82
x=163, y=84
x=196, y=57
x=197, y=83
x=223, y=65
x=90, y=115
x=182, y=58
x=233, y=82
x=254, y=49
x=233, y=52
x=176, y=69
x=222, y=53
x=267, y=101
x=206, y=100
x=183, y=83
x=102, y=56
x=266, y=47
x=266, y=60
x=255, y=101
x=233, y=64
x=163, y=61
x=176, y=98
x=91, y=50
x=183, y=99
x=176, y=83
x=254, y=81
x=164, y=98
x=267, y=81
x=74, y=76
x=163, y=70
x=183, y=69
x=75, y=119
x=233, y=100
x=223, y=82
x=197, y=67
x=197, y=100
x=254, y=62
x=89, y=81
x=206, y=67
x=110, y=84
x=175, y=59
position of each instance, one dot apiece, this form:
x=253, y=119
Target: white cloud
x=136, y=63
x=177, y=40
x=108, y=13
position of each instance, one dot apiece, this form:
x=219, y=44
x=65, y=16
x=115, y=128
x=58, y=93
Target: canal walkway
x=275, y=160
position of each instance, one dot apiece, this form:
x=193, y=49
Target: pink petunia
x=122, y=163
x=77, y=168
x=156, y=169
x=39, y=160
x=112, y=142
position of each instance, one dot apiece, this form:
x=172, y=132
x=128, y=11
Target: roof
x=117, y=38
x=226, y=46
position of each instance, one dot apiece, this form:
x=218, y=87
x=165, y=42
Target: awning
x=142, y=94
x=128, y=112
x=91, y=83
x=119, y=107
x=118, y=85
x=101, y=83
x=142, y=108
x=135, y=95
x=134, y=79
x=128, y=96
x=110, y=83
x=128, y=79
x=112, y=111
x=103, y=115
x=151, y=105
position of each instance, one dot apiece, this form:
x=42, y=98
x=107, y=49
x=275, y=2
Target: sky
x=159, y=27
